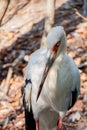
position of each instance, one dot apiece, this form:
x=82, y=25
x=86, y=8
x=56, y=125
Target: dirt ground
x=20, y=36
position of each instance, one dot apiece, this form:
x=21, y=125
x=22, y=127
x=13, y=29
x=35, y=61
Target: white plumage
x=61, y=83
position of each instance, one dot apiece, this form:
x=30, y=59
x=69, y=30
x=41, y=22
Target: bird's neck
x=60, y=58
x=61, y=52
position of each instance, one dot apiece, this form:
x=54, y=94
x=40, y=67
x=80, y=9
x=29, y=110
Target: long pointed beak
x=50, y=61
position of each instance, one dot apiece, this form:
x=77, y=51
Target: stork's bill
x=51, y=58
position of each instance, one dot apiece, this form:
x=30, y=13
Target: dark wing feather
x=74, y=95
x=29, y=118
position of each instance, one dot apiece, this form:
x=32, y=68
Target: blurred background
x=24, y=25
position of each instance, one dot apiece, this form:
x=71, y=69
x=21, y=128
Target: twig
x=4, y=12
x=49, y=20
x=3, y=96
x=17, y=8
x=70, y=124
x=19, y=58
x=5, y=122
x=9, y=75
x=80, y=15
x=10, y=71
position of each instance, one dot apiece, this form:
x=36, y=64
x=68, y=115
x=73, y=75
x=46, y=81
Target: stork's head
x=56, y=44
x=56, y=39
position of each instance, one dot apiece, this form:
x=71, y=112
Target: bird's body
x=60, y=88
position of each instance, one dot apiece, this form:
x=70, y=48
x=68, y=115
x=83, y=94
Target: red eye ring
x=58, y=43
x=56, y=46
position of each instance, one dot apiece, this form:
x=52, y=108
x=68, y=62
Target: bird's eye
x=58, y=43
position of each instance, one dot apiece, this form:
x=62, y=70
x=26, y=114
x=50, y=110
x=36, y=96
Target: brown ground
x=21, y=36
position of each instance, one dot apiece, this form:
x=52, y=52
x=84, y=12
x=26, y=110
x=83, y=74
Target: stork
x=52, y=84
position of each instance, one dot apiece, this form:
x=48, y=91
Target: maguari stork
x=52, y=84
